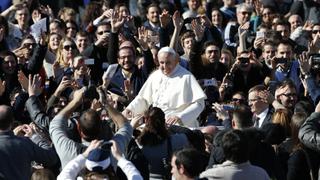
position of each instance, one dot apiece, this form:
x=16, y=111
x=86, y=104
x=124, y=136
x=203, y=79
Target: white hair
x=168, y=50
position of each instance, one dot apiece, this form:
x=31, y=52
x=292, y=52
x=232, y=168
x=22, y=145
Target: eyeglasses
x=315, y=31
x=237, y=100
x=266, y=14
x=67, y=47
x=102, y=32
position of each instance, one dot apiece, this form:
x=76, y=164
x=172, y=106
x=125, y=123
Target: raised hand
x=93, y=145
x=165, y=18
x=117, y=21
x=23, y=80
x=64, y=84
x=305, y=63
x=143, y=38
x=314, y=45
x=205, y=21
x=177, y=20
x=34, y=87
x=308, y=25
x=198, y=29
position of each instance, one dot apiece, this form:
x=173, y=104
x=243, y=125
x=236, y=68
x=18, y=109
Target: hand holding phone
x=210, y=82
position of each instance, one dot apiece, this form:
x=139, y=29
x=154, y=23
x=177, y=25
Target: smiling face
x=216, y=18
x=22, y=16
x=153, y=14
x=29, y=44
x=212, y=53
x=126, y=58
x=54, y=42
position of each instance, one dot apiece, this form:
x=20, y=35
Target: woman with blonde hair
x=66, y=52
x=283, y=117
x=53, y=45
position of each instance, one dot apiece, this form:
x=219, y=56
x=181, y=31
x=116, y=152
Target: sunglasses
x=102, y=32
x=315, y=31
x=237, y=100
x=67, y=47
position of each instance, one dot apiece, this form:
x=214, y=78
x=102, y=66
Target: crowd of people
x=160, y=89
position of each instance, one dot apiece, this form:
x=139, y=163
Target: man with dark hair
x=183, y=164
x=237, y=166
x=90, y=127
x=16, y=163
x=287, y=66
x=242, y=118
x=153, y=13
x=98, y=51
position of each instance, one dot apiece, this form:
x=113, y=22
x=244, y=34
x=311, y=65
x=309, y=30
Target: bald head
x=6, y=117
x=168, y=60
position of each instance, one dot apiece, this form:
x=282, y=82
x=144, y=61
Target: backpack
x=136, y=156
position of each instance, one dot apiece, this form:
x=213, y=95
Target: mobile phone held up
x=210, y=82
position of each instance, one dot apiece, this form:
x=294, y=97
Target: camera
x=106, y=145
x=281, y=60
x=210, y=82
x=315, y=62
x=244, y=60
x=228, y=107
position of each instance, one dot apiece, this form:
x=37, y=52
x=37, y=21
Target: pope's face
x=167, y=62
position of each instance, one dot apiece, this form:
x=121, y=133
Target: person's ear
x=181, y=169
x=233, y=124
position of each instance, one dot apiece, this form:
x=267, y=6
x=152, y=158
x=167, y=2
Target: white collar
x=262, y=116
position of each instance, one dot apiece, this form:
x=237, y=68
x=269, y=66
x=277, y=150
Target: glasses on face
x=315, y=31
x=67, y=47
x=102, y=32
x=237, y=100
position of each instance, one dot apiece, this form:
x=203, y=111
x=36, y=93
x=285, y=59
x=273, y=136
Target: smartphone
x=281, y=60
x=106, y=145
x=228, y=107
x=244, y=60
x=210, y=82
x=89, y=61
x=260, y=35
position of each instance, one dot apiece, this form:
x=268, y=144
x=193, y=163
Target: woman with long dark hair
x=158, y=144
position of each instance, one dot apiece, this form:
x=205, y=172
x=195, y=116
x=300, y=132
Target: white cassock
x=177, y=95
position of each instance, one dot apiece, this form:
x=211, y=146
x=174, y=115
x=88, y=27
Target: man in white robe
x=173, y=89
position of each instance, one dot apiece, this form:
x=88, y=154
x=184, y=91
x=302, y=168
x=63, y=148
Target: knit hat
x=98, y=160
